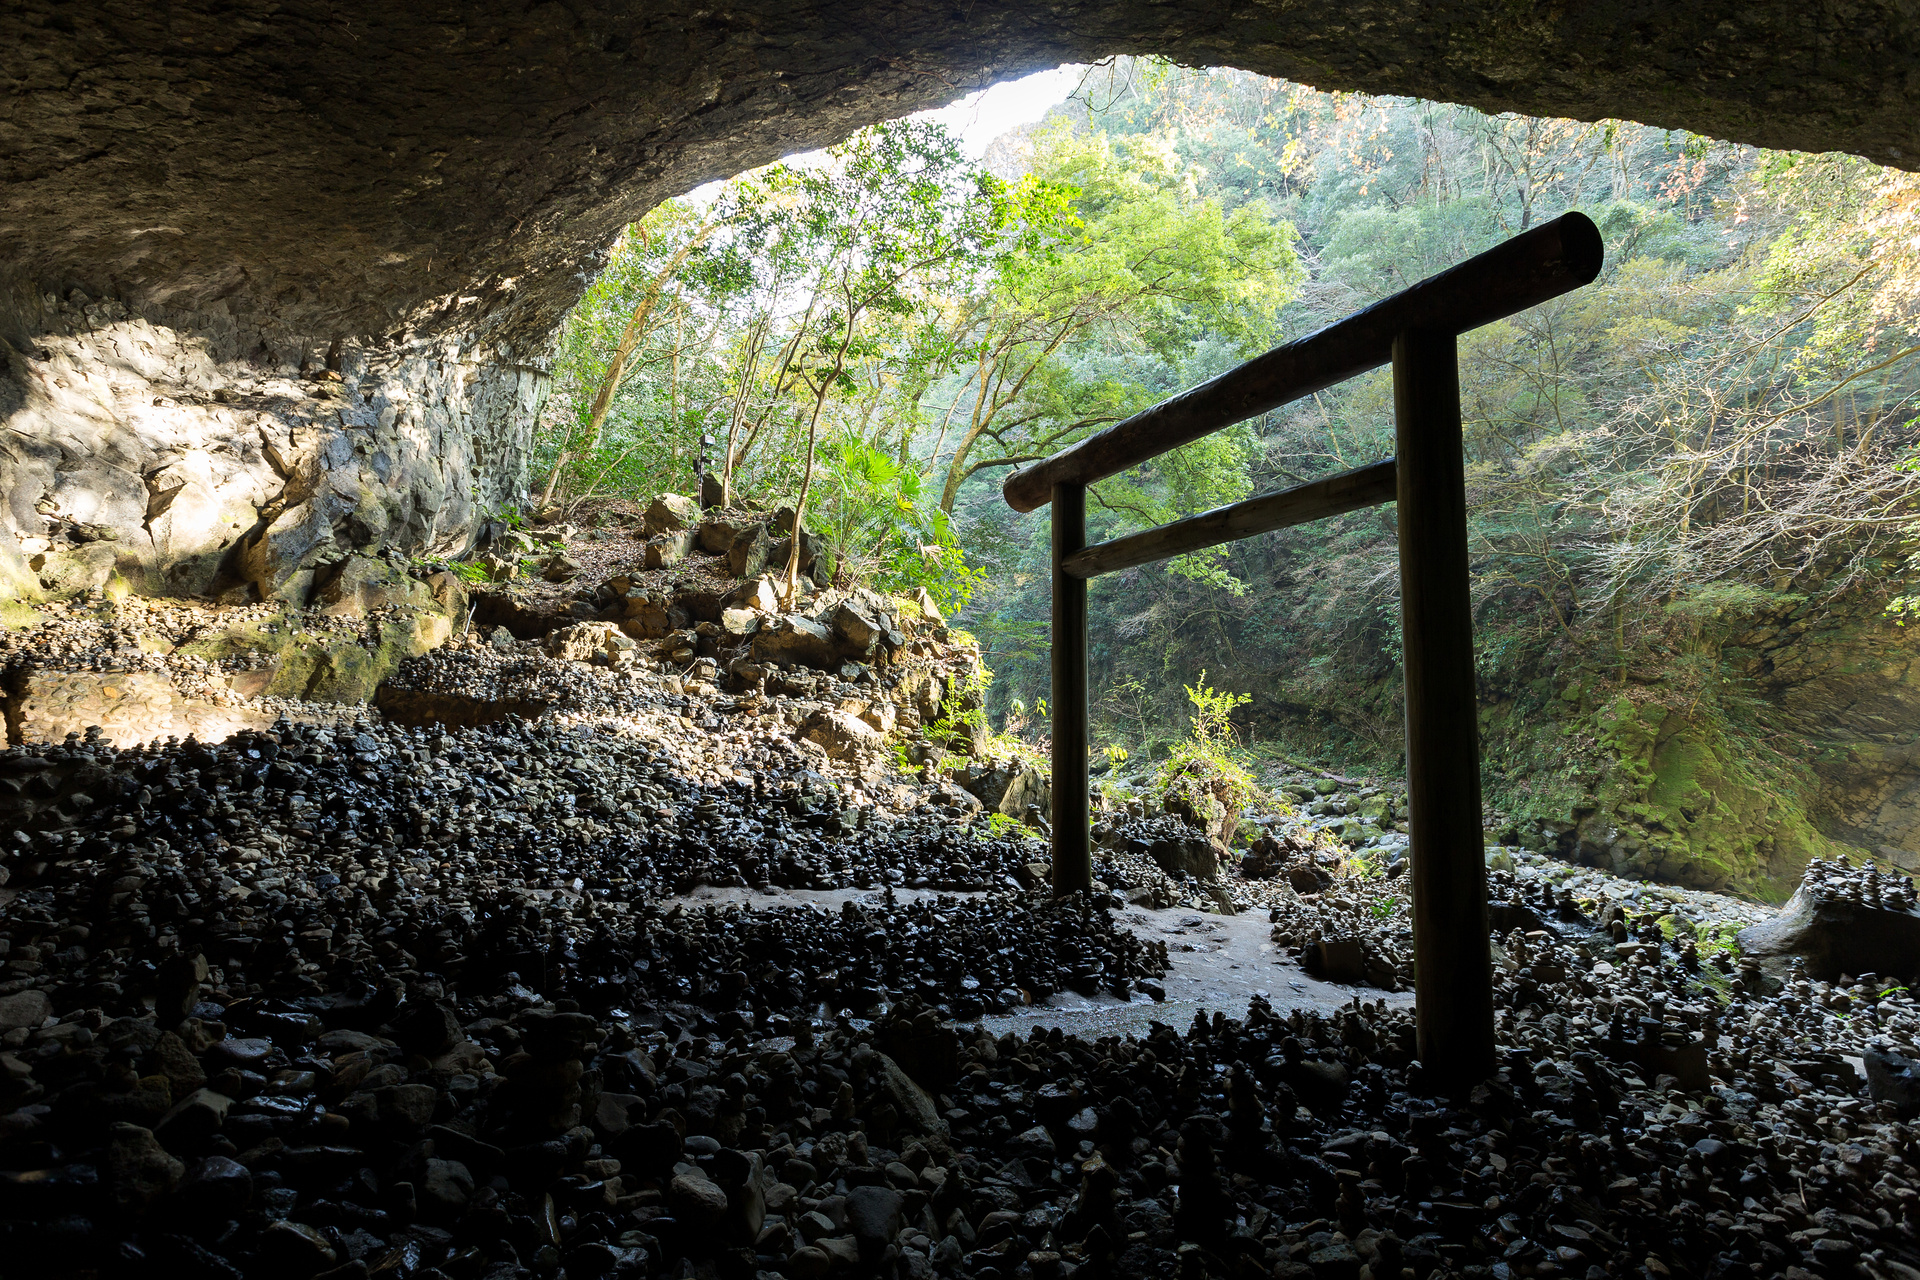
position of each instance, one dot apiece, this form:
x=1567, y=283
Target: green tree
x=1125, y=256
x=894, y=222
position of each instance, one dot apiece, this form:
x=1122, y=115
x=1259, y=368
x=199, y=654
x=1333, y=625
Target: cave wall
x=228, y=201
x=186, y=454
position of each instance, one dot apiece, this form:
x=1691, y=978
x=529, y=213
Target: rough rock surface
x=221, y=459
x=1842, y=921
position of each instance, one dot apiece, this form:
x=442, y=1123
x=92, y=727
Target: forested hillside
x=1691, y=504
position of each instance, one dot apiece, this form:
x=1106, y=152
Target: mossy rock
x=1703, y=808
x=345, y=670
x=329, y=666
x=16, y=616
x=273, y=636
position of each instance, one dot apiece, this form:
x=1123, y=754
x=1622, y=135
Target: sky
x=977, y=119
x=981, y=117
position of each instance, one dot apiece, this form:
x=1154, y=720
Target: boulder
x=445, y=1188
x=17, y=581
x=70, y=571
x=602, y=643
x=138, y=1168
x=740, y=622
x=716, y=534
x=679, y=646
x=858, y=630
x=1892, y=1078
x=27, y=1009
x=747, y=556
x=649, y=616
x=842, y=735
x=670, y=513
x=874, y=1213
x=358, y=585
x=1337, y=960
x=193, y=1119
x=428, y=1028
x=761, y=594
x=918, y=1112
x=397, y=1110
x=929, y=611
x=988, y=781
x=697, y=1201
x=669, y=548
x=1186, y=850
x=1835, y=936
x=795, y=638
x=1029, y=788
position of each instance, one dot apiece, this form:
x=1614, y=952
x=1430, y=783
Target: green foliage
x=1698, y=445
x=1202, y=767
x=1000, y=825
x=875, y=510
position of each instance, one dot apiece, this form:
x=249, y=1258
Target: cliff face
x=184, y=455
x=1727, y=766
x=248, y=195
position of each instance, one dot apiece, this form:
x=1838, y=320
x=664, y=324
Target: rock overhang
x=380, y=170
x=389, y=208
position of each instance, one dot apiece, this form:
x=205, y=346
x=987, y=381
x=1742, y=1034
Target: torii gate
x=1417, y=330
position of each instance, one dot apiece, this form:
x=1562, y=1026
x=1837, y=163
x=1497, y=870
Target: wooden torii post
x=1416, y=330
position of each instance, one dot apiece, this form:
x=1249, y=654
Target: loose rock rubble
x=395, y=1001
x=425, y=996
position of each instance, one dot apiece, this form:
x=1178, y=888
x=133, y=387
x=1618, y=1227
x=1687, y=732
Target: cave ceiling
x=379, y=168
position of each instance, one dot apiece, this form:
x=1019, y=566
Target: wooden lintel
x=1367, y=486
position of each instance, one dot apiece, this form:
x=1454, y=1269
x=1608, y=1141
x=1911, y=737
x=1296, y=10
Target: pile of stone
x=390, y=1001
x=1354, y=813
x=152, y=668
x=594, y=673
x=373, y=801
x=471, y=682
x=1160, y=862
x=1355, y=930
x=1843, y=920
x=409, y=1130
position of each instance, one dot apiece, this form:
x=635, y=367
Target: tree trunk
x=631, y=335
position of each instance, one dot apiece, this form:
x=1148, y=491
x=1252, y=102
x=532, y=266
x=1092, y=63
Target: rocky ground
x=590, y=953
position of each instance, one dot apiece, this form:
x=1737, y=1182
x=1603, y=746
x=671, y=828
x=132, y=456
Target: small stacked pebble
x=365, y=1000
x=143, y=635
x=1831, y=879
x=1635, y=1125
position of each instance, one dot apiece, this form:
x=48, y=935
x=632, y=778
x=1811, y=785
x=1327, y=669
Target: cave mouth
x=277, y=287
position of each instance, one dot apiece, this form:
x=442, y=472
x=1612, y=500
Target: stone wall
x=187, y=454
